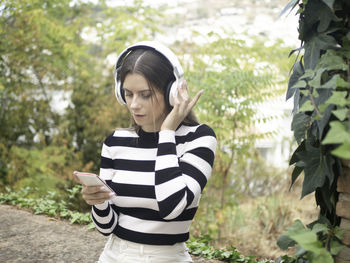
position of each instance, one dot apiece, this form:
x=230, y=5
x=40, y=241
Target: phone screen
x=90, y=179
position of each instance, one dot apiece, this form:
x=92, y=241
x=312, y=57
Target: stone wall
x=343, y=210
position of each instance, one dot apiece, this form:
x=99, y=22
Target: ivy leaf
x=290, y=6
x=284, y=242
x=322, y=18
x=323, y=122
x=323, y=198
x=320, y=228
x=314, y=175
x=307, y=106
x=314, y=46
x=323, y=96
x=331, y=61
x=343, y=151
x=300, y=123
x=329, y=3
x=297, y=72
x=295, y=158
x=295, y=174
x=334, y=82
x=296, y=101
x=309, y=74
x=339, y=232
x=337, y=134
x=312, y=180
x=341, y=83
x=338, y=98
x=296, y=227
x=304, y=237
x=336, y=247
x=322, y=256
x=328, y=164
x=316, y=81
x=341, y=113
x=294, y=50
x=300, y=84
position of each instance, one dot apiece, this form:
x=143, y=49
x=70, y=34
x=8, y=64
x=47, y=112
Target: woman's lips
x=138, y=116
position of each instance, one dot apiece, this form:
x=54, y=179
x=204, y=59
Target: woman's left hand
x=182, y=106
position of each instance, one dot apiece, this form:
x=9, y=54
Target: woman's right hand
x=94, y=195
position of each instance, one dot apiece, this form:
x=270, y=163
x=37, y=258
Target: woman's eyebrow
x=139, y=90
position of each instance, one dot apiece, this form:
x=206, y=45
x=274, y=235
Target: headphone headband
x=163, y=50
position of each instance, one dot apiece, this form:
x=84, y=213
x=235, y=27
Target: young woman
x=158, y=168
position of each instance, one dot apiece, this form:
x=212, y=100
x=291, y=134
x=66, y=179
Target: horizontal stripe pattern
x=158, y=179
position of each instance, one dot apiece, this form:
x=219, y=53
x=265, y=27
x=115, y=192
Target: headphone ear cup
x=171, y=93
x=120, y=93
x=167, y=93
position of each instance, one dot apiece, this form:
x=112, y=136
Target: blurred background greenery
x=57, y=106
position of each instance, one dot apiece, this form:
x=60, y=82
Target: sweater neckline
x=143, y=133
x=150, y=135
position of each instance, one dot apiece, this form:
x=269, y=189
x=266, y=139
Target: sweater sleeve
x=104, y=215
x=179, y=182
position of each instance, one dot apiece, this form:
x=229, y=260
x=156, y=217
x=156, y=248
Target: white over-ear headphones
x=171, y=90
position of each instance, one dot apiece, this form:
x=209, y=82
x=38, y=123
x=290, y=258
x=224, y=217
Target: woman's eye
x=146, y=96
x=127, y=94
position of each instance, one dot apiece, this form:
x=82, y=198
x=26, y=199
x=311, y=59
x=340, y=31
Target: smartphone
x=90, y=179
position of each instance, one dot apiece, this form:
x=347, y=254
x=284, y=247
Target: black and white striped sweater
x=158, y=179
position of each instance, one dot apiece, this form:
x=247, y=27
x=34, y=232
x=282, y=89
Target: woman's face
x=146, y=105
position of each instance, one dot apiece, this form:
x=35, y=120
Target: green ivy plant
x=320, y=85
x=201, y=247
x=50, y=204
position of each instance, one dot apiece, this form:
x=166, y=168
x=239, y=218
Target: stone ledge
x=346, y=238
x=344, y=255
x=343, y=209
x=345, y=162
x=344, y=197
x=340, y=260
x=343, y=184
x=345, y=224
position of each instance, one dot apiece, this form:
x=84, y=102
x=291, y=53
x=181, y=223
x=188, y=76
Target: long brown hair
x=158, y=72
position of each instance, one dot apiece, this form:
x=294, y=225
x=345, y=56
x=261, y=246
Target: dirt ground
x=25, y=237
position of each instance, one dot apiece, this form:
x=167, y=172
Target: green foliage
x=49, y=204
x=317, y=243
x=45, y=169
x=201, y=247
x=320, y=83
x=37, y=51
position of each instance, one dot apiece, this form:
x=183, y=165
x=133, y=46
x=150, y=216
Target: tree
x=234, y=85
x=38, y=48
x=48, y=50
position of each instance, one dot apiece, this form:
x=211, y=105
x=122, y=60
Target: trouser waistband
x=143, y=249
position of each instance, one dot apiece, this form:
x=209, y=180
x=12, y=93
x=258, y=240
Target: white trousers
x=121, y=251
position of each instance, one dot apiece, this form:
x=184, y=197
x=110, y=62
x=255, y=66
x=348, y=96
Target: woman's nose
x=135, y=102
